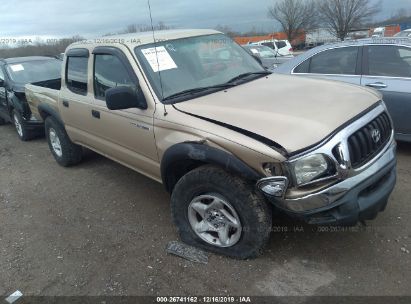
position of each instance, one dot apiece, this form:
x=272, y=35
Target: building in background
x=322, y=36
x=385, y=31
x=319, y=37
x=242, y=40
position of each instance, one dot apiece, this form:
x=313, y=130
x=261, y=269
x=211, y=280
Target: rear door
x=124, y=135
x=75, y=101
x=283, y=49
x=340, y=63
x=387, y=68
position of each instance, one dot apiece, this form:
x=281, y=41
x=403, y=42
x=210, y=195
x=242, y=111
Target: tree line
x=54, y=47
x=339, y=17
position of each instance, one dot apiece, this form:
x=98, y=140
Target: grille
x=369, y=140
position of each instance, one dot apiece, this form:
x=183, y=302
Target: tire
x=63, y=149
x=207, y=185
x=2, y=121
x=22, y=132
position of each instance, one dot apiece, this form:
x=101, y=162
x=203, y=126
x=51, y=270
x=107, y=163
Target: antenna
x=158, y=63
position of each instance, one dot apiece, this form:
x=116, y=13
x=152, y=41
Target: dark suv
x=15, y=73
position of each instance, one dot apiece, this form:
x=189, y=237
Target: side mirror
x=121, y=98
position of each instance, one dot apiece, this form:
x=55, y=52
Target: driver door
x=124, y=135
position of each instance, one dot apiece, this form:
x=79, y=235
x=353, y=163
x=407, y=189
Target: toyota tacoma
x=194, y=111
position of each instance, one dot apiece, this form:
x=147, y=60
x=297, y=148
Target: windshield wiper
x=228, y=84
x=245, y=75
x=199, y=90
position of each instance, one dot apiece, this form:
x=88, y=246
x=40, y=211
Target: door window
x=335, y=61
x=77, y=74
x=339, y=61
x=109, y=72
x=389, y=60
x=281, y=44
x=269, y=44
x=303, y=67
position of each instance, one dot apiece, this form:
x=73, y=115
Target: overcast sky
x=90, y=18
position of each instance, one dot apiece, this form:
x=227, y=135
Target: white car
x=281, y=47
x=404, y=33
x=378, y=32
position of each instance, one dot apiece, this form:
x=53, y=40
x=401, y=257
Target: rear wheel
x=63, y=149
x=221, y=213
x=23, y=133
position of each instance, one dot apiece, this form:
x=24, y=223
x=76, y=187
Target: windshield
x=34, y=71
x=262, y=51
x=195, y=62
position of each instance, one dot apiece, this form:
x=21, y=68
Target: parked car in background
x=281, y=47
x=378, y=32
x=228, y=139
x=269, y=58
x=383, y=64
x=14, y=74
x=405, y=33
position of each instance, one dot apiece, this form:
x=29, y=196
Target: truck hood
x=294, y=112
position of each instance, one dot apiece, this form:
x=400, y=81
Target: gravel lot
x=101, y=229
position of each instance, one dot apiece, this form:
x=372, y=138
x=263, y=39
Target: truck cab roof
x=136, y=39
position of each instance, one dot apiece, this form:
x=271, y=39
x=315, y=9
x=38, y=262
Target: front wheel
x=221, y=213
x=63, y=149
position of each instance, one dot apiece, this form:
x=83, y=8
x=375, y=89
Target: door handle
x=377, y=85
x=95, y=114
x=65, y=103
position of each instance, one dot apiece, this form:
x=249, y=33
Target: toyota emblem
x=376, y=135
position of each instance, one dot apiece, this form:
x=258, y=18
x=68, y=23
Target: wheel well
x=182, y=158
x=44, y=114
x=46, y=111
x=178, y=169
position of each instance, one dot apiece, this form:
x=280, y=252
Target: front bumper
x=354, y=199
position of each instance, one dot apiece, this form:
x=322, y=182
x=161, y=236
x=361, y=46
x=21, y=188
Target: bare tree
x=295, y=16
x=342, y=16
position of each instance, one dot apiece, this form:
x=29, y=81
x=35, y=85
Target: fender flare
x=46, y=110
x=182, y=158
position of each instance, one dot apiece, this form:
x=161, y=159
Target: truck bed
x=43, y=92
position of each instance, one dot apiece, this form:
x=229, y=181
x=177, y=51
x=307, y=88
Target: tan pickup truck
x=229, y=141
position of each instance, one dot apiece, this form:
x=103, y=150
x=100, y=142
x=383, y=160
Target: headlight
x=311, y=168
